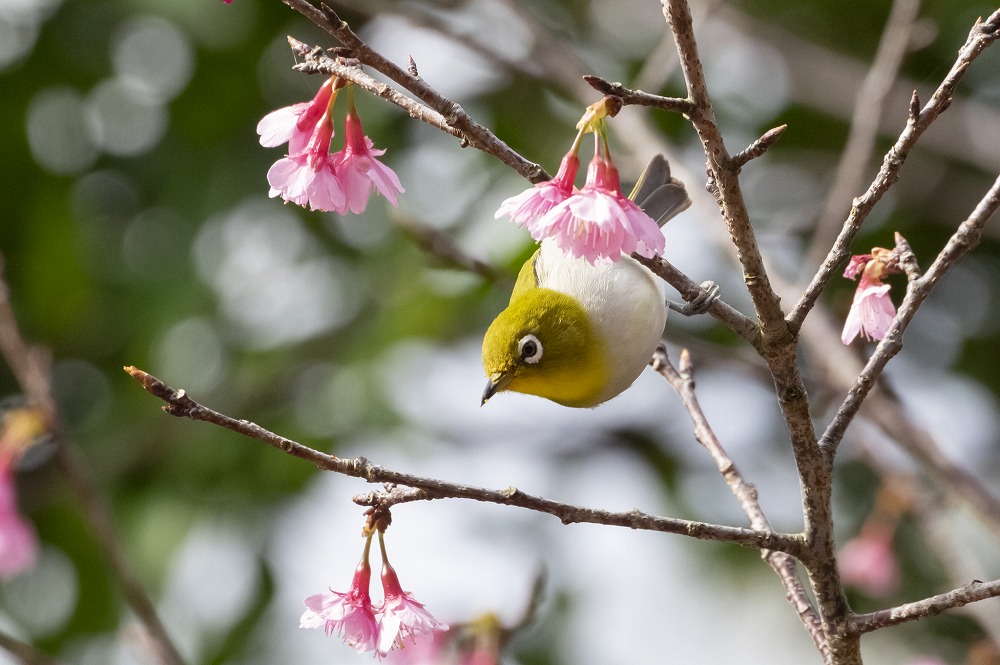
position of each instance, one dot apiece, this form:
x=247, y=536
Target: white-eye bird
x=577, y=333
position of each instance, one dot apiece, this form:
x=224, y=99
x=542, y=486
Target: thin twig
x=962, y=241
x=24, y=652
x=821, y=339
x=180, y=405
x=689, y=289
x=868, y=106
x=777, y=346
x=454, y=115
x=316, y=62
x=724, y=178
x=758, y=147
x=638, y=97
x=440, y=244
x=935, y=520
x=745, y=493
x=970, y=593
x=30, y=367
x=983, y=34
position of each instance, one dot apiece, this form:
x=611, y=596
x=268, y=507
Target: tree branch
x=758, y=147
x=316, y=62
x=970, y=593
x=777, y=347
x=961, y=242
x=745, y=493
x=724, y=178
x=454, y=115
x=24, y=652
x=180, y=405
x=638, y=97
x=732, y=318
x=983, y=34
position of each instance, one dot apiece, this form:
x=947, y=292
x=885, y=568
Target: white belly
x=626, y=303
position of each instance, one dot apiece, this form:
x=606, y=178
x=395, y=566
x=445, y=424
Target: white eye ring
x=530, y=349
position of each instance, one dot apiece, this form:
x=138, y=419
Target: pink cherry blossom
x=526, y=208
x=598, y=222
x=295, y=124
x=349, y=615
x=872, y=310
x=18, y=542
x=358, y=170
x=308, y=178
x=400, y=616
x=869, y=563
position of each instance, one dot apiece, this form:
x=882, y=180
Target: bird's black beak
x=495, y=384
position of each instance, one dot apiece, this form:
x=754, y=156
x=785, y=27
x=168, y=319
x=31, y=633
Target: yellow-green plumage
x=576, y=333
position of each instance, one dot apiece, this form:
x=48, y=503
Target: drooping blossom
x=308, y=178
x=401, y=618
x=868, y=561
x=349, y=615
x=18, y=542
x=598, y=223
x=359, y=170
x=872, y=310
x=20, y=429
x=528, y=207
x=295, y=124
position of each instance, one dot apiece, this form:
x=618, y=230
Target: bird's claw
x=710, y=292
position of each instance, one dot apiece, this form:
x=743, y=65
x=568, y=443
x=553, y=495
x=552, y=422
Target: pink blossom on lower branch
x=349, y=615
x=307, y=178
x=401, y=618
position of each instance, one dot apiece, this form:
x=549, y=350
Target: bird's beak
x=495, y=384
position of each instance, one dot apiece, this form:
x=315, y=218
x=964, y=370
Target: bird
x=577, y=333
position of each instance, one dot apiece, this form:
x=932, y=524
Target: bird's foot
x=710, y=292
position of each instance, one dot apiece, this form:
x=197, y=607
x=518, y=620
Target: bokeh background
x=136, y=229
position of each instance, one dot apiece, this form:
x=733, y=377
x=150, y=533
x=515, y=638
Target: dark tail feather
x=659, y=194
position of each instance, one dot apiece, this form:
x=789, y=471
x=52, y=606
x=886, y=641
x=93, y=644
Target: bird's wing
x=527, y=278
x=658, y=193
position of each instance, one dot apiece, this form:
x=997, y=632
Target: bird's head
x=544, y=344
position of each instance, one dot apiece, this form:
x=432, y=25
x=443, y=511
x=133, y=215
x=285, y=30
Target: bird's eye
x=530, y=349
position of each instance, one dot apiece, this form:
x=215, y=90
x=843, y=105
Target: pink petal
x=325, y=191
x=871, y=312
x=385, y=180
x=277, y=127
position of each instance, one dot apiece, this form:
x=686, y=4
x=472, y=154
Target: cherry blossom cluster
x=596, y=222
x=310, y=175
x=872, y=310
x=364, y=626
